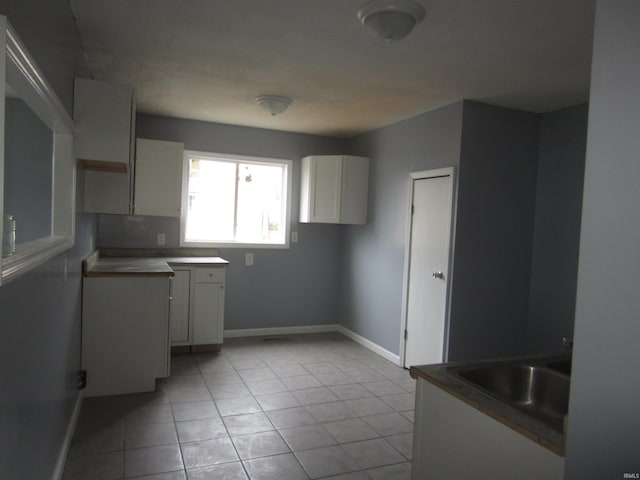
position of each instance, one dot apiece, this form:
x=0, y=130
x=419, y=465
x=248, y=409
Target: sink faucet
x=567, y=343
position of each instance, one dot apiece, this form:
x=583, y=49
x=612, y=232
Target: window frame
x=237, y=159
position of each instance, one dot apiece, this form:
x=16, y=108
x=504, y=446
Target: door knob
x=438, y=274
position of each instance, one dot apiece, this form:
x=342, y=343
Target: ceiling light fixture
x=273, y=104
x=391, y=20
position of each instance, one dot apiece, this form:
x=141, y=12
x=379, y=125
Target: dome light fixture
x=391, y=20
x=273, y=104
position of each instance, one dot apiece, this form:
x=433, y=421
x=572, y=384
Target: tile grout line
x=316, y=356
x=175, y=426
x=275, y=429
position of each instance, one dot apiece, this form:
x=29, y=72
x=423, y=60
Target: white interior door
x=428, y=270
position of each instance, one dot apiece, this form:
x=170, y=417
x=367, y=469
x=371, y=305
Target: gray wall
x=496, y=151
x=40, y=312
x=494, y=230
x=554, y=264
x=604, y=411
x=48, y=30
x=372, y=270
x=285, y=287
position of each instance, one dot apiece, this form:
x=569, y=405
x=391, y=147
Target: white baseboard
x=265, y=332
x=374, y=347
x=66, y=444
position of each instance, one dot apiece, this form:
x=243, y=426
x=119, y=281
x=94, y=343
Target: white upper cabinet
x=158, y=178
x=103, y=142
x=334, y=189
x=105, y=119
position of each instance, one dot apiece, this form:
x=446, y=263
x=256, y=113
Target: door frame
x=413, y=177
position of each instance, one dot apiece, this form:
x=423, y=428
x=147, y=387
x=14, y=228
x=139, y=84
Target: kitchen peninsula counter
x=440, y=375
x=466, y=430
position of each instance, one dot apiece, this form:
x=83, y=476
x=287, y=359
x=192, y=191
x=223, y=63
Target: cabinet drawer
x=210, y=275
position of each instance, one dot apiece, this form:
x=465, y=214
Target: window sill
x=273, y=246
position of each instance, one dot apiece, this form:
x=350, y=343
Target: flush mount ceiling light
x=391, y=20
x=273, y=104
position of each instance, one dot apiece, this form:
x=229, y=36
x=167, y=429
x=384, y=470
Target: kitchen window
x=235, y=201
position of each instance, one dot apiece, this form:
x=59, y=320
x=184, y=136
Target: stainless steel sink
x=562, y=366
x=535, y=389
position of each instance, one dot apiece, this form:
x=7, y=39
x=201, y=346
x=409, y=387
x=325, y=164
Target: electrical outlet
x=81, y=380
x=161, y=239
x=248, y=259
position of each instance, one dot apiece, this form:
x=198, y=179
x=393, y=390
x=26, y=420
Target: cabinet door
x=102, y=112
x=179, y=316
x=320, y=189
x=327, y=174
x=158, y=179
x=208, y=313
x=125, y=326
x=334, y=189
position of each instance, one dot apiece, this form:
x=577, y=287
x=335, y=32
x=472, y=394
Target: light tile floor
x=300, y=407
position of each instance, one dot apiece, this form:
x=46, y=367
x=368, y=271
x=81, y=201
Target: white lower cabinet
x=125, y=333
x=197, y=308
x=455, y=441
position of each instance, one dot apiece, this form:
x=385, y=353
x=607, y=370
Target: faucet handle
x=567, y=343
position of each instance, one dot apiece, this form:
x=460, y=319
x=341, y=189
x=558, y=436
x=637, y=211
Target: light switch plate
x=294, y=237
x=161, y=239
x=248, y=259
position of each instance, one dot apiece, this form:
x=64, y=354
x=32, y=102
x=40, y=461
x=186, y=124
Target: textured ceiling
x=208, y=59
